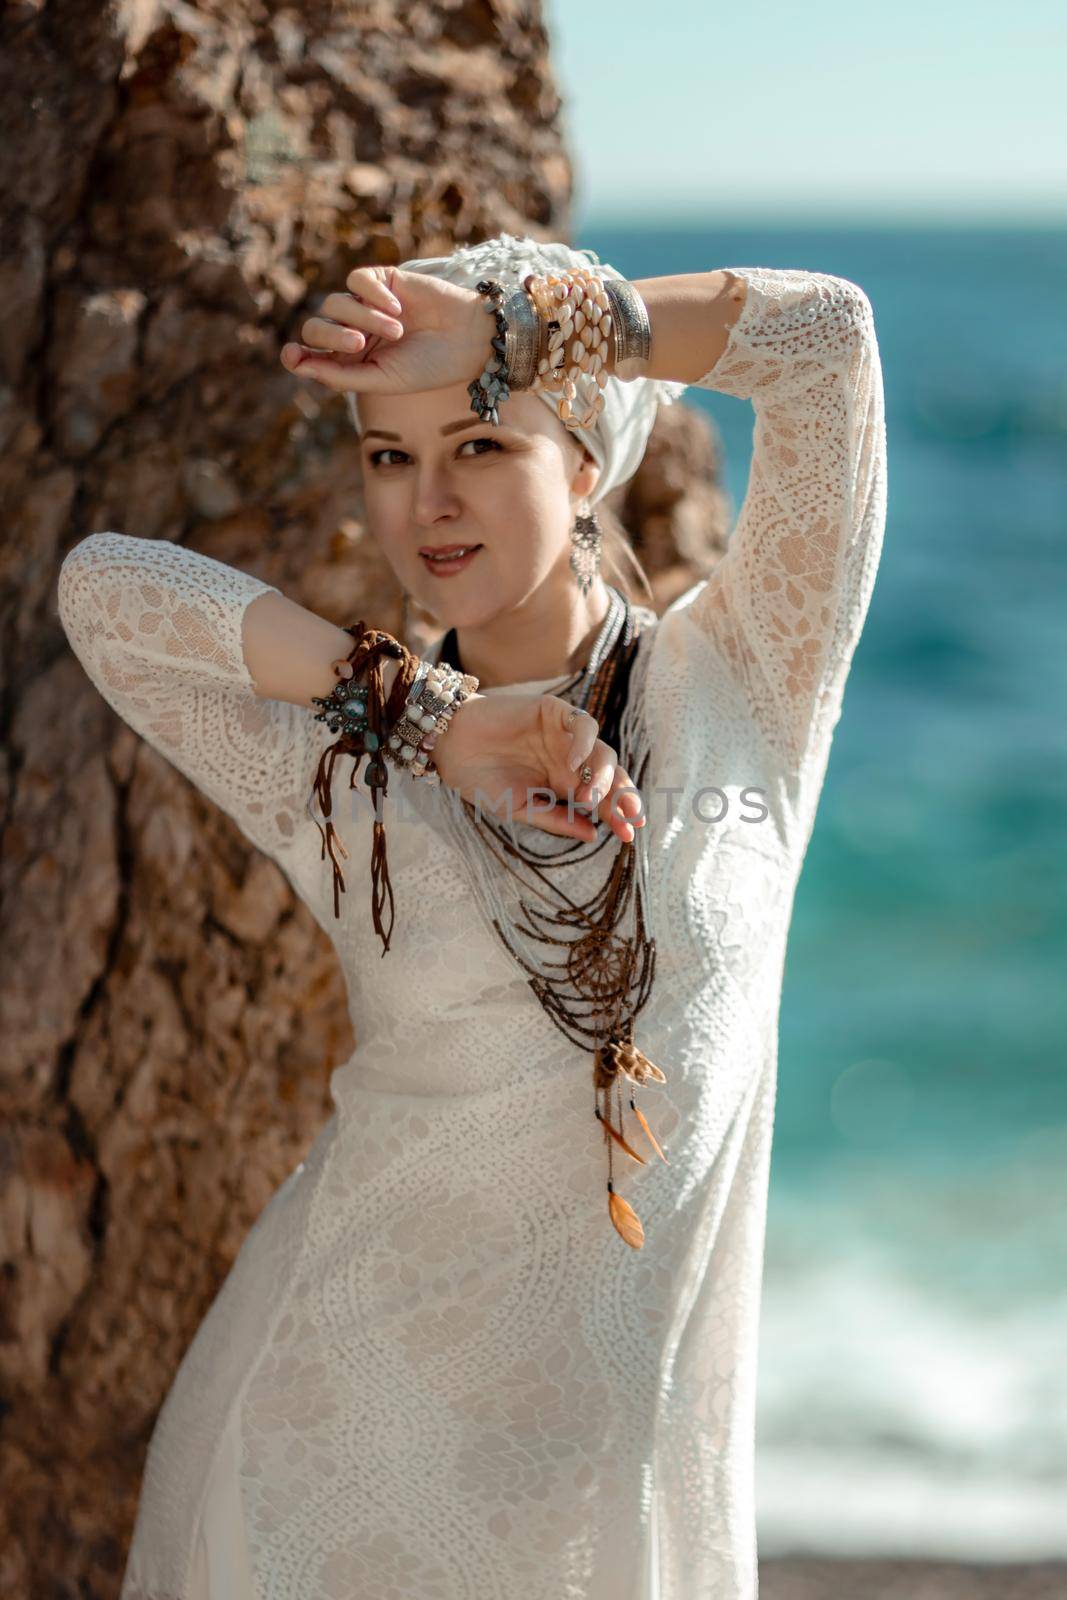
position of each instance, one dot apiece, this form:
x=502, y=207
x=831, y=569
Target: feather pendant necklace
x=594, y=979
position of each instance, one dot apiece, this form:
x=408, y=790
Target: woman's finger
x=584, y=729
x=570, y=734
x=623, y=798
x=301, y=357
x=346, y=311
x=622, y=808
x=368, y=285
x=618, y=802
x=343, y=326
x=343, y=373
x=323, y=333
x=324, y=368
x=601, y=762
x=319, y=335
x=558, y=818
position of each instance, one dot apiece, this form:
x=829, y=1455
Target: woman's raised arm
x=786, y=603
x=211, y=666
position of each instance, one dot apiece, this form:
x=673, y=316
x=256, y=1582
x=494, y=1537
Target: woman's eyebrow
x=449, y=427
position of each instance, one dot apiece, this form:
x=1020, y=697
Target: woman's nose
x=434, y=498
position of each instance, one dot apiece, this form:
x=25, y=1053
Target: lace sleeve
x=159, y=630
x=786, y=603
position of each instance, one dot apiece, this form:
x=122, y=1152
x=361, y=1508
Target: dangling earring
x=586, y=538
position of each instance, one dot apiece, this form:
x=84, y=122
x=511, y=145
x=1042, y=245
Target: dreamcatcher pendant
x=614, y=1060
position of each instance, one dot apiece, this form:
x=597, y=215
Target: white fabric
x=616, y=439
x=435, y=1371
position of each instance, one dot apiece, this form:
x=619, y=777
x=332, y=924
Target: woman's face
x=442, y=477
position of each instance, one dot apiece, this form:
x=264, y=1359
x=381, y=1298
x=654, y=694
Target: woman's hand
x=508, y=747
x=394, y=332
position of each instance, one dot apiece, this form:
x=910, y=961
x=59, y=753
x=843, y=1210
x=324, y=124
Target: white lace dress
x=435, y=1371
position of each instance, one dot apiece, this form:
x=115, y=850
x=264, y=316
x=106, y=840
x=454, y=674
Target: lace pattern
x=786, y=604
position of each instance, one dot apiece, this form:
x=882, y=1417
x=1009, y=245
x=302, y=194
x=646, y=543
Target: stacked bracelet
x=556, y=331
x=435, y=695
x=433, y=699
x=399, y=726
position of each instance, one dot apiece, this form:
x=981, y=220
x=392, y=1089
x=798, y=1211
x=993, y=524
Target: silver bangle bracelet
x=522, y=340
x=632, y=330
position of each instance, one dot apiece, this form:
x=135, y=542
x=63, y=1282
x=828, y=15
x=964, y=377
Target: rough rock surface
x=181, y=183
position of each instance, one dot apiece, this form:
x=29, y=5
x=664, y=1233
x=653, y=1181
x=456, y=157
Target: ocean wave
x=893, y=1420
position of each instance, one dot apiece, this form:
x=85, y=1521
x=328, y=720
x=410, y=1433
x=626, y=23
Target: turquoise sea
x=913, y=1360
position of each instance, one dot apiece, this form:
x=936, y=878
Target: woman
x=435, y=1371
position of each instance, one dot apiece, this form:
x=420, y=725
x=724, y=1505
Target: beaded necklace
x=592, y=978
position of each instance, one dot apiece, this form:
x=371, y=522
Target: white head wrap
x=617, y=438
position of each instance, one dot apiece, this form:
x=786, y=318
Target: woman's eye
x=377, y=455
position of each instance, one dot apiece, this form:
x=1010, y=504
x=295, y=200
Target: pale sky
x=937, y=110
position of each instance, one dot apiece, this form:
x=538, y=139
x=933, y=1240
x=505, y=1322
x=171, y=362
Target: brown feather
x=639, y=1114
x=617, y=1136
x=625, y=1220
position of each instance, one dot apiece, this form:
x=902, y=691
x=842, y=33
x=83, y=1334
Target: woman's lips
x=445, y=568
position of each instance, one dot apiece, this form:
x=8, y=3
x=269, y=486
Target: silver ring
x=587, y=774
x=569, y=719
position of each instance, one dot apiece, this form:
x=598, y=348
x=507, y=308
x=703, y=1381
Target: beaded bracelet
x=433, y=700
